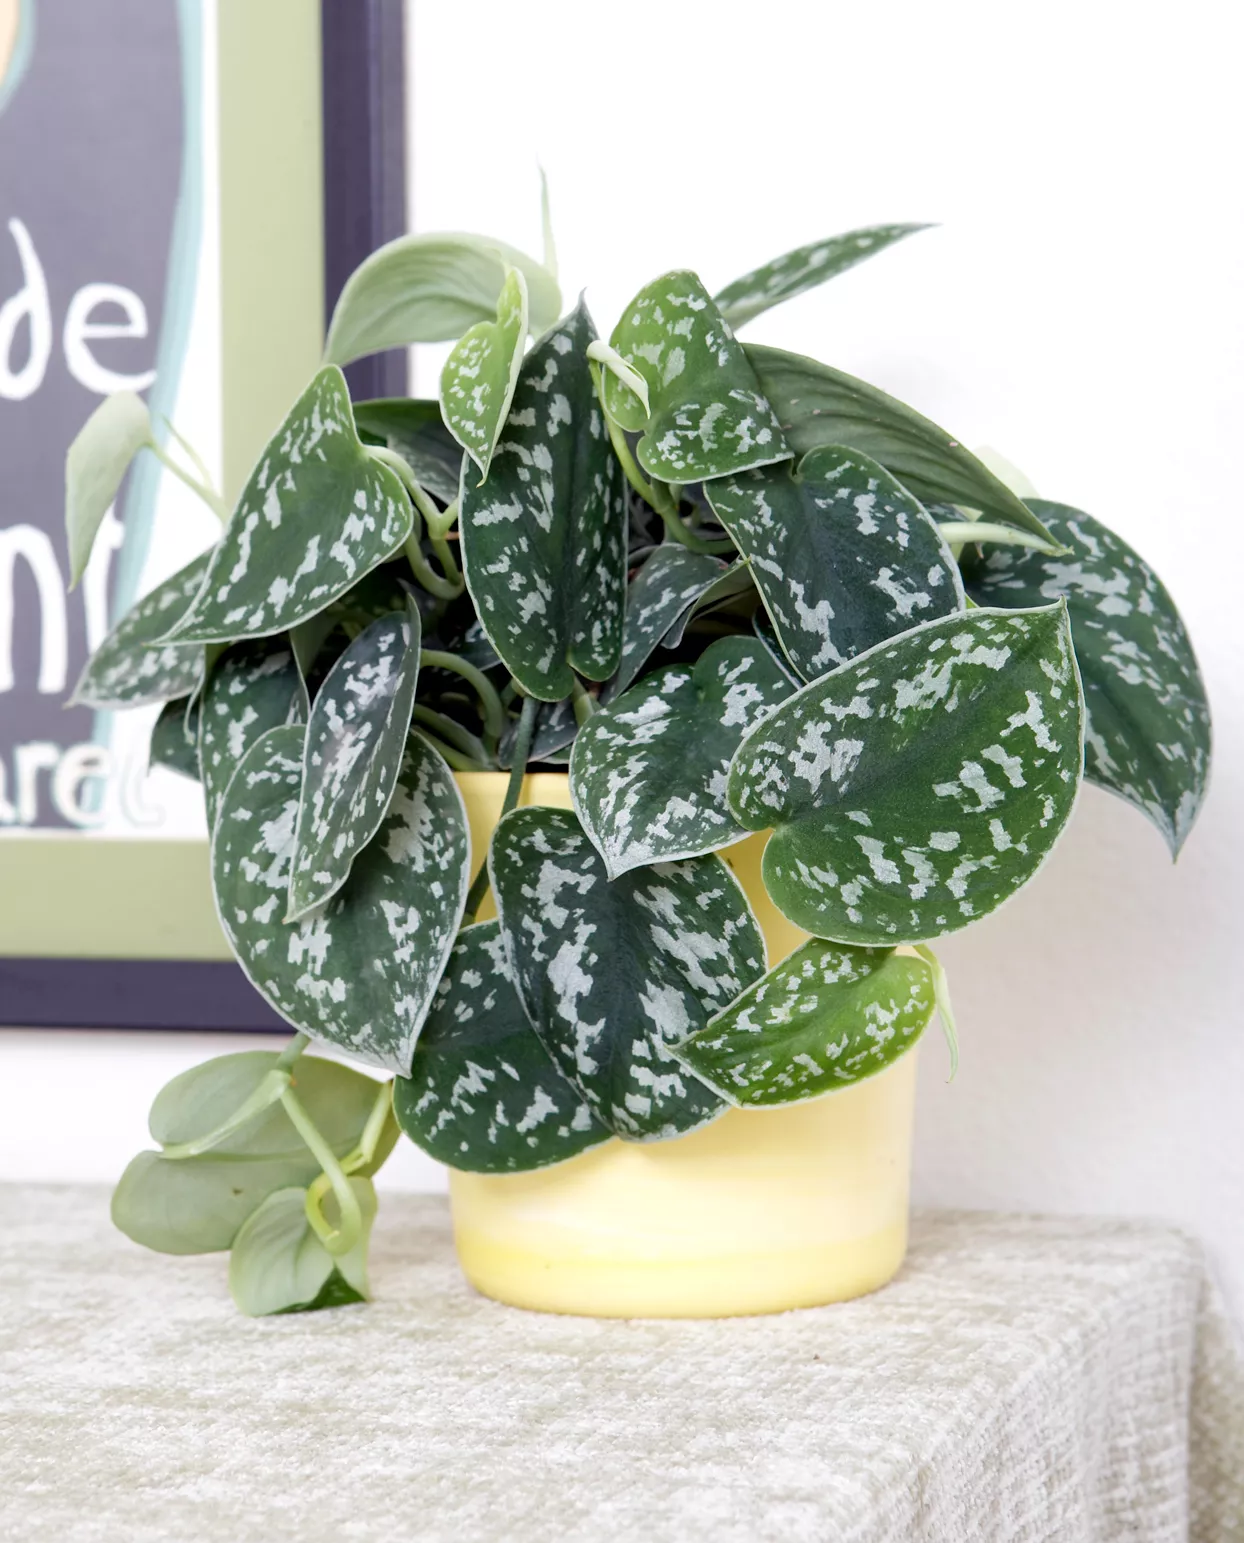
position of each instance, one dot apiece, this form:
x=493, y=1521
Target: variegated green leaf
x=817, y=405
x=278, y=1265
x=417, y=432
x=431, y=289
x=254, y=686
x=843, y=556
x=671, y=580
x=175, y=738
x=826, y=1017
x=355, y=740
x=478, y=380
x=131, y=667
x=556, y=727
x=709, y=417
x=544, y=540
x=317, y=514
x=483, y=1094
x=735, y=581
x=361, y=971
x=95, y=467
x=1147, y=728
x=648, y=772
x=919, y=786
x=611, y=974
x=803, y=269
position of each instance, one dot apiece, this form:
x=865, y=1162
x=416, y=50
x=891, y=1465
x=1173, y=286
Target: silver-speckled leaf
x=671, y=580
x=803, y=269
x=611, y=974
x=175, y=738
x=826, y=1017
x=843, y=556
x=483, y=1094
x=919, y=786
x=817, y=405
x=556, y=727
x=355, y=740
x=648, y=772
x=317, y=514
x=478, y=380
x=417, y=432
x=254, y=686
x=709, y=417
x=361, y=971
x=735, y=581
x=544, y=539
x=1147, y=728
x=278, y=1265
x=130, y=668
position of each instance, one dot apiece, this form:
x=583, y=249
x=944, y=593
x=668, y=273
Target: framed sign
x=184, y=186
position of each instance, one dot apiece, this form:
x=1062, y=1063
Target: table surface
x=1023, y=1378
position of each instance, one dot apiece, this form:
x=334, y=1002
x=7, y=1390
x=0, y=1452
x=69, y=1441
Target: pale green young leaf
x=825, y=1018
x=544, y=539
x=842, y=554
x=132, y=666
x=431, y=289
x=648, y=771
x=611, y=973
x=1147, y=730
x=483, y=1094
x=416, y=431
x=817, y=405
x=708, y=416
x=95, y=467
x=278, y=1265
x=359, y=972
x=479, y=377
x=355, y=741
x=254, y=686
x=671, y=580
x=916, y=788
x=318, y=514
x=803, y=269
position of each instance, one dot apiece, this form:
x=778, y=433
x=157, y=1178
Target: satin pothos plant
x=731, y=590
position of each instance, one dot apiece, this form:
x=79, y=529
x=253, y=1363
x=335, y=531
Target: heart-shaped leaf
x=825, y=1018
x=735, y=581
x=131, y=667
x=254, y=686
x=803, y=269
x=648, y=772
x=671, y=580
x=709, y=417
x=361, y=971
x=175, y=738
x=817, y=405
x=478, y=380
x=842, y=555
x=278, y=1265
x=431, y=289
x=317, y=514
x=483, y=1094
x=544, y=540
x=95, y=467
x=417, y=432
x=918, y=787
x=611, y=974
x=355, y=741
x=1147, y=728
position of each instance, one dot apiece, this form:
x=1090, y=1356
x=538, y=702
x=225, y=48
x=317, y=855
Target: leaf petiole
x=513, y=789
x=341, y=1239
x=212, y=499
x=492, y=712
x=273, y=1087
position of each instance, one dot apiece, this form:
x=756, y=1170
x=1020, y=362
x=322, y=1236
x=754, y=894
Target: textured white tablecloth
x=1023, y=1379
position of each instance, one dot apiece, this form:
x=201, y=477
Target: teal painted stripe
x=22, y=51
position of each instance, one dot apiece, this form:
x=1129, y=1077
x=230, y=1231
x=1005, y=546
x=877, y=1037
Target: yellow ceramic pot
x=758, y=1212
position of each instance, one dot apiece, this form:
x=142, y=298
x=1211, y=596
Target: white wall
x=1079, y=310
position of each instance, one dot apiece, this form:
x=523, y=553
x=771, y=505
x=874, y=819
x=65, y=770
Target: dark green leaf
x=1147, y=723
x=803, y=269
x=611, y=974
x=817, y=405
x=416, y=431
x=317, y=514
x=278, y=1265
x=95, y=466
x=825, y=1018
x=478, y=380
x=735, y=581
x=254, y=686
x=130, y=668
x=556, y=727
x=670, y=581
x=918, y=787
x=843, y=556
x=175, y=738
x=544, y=540
x=483, y=1094
x=648, y=772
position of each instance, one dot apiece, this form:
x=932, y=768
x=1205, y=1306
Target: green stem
x=372, y=1131
x=213, y=500
x=455, y=758
x=447, y=729
x=200, y=465
x=941, y=995
x=495, y=720
x=425, y=513
x=292, y=1051
x=337, y=1240
x=518, y=770
x=584, y=702
x=274, y=1086
x=969, y=532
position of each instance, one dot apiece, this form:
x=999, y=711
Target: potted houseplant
x=526, y=718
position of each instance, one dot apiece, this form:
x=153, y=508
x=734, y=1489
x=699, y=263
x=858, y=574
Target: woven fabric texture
x=1024, y=1379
